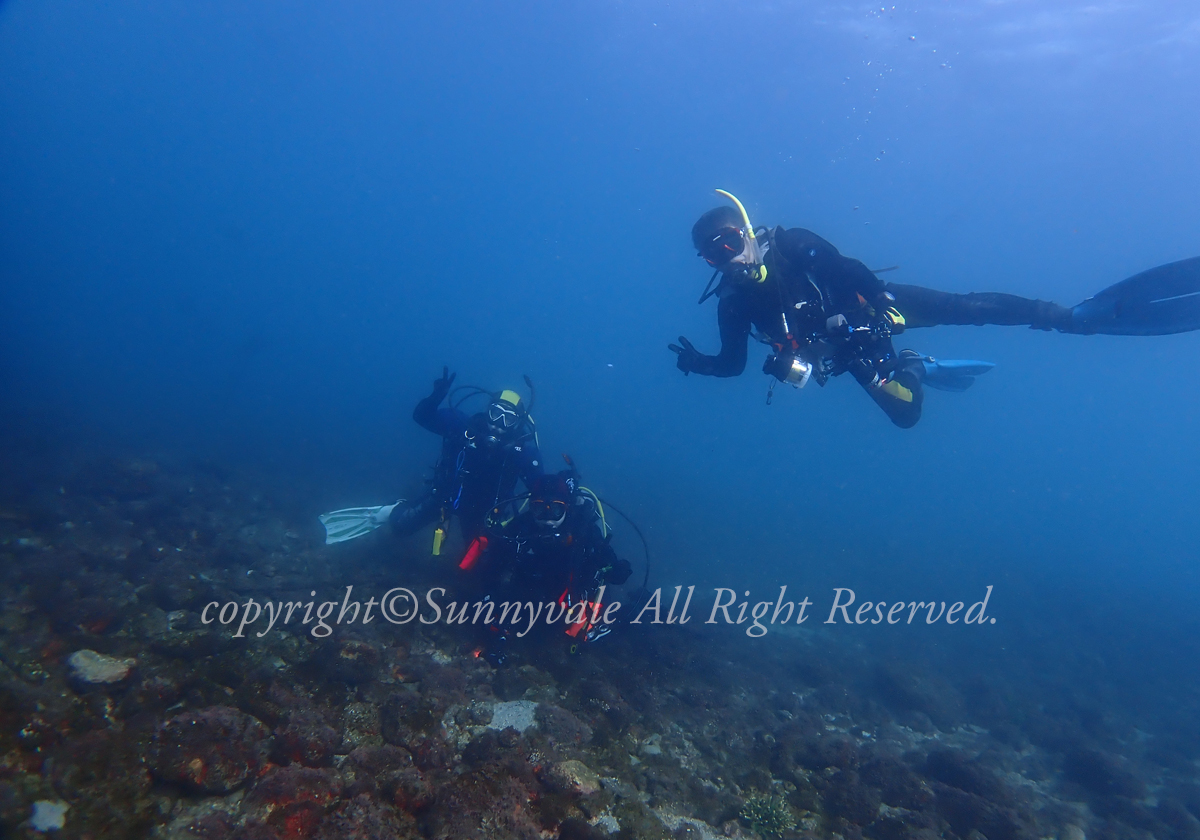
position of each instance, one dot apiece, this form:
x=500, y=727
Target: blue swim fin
x=953, y=374
x=1160, y=301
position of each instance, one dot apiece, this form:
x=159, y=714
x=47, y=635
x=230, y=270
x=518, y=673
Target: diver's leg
x=900, y=394
x=922, y=307
x=409, y=518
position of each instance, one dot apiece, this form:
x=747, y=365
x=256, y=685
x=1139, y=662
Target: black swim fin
x=1160, y=301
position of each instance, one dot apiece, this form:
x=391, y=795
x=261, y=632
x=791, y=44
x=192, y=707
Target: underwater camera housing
x=790, y=369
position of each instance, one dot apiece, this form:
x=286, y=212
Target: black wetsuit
x=475, y=471
x=809, y=284
x=572, y=561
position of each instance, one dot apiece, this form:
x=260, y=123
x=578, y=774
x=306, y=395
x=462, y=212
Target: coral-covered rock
x=953, y=768
x=513, y=714
x=49, y=815
x=576, y=829
x=213, y=750
x=153, y=694
x=406, y=717
x=174, y=586
x=492, y=745
x=445, y=685
x=572, y=776
x=411, y=791
x=614, y=714
x=849, y=798
x=352, y=661
x=216, y=826
x=376, y=760
x=432, y=754
x=906, y=690
x=305, y=739
x=484, y=804
x=969, y=812
x=388, y=773
x=107, y=782
x=1102, y=774
x=361, y=727
x=89, y=668
x=294, y=799
x=561, y=728
x=900, y=787
x=362, y=818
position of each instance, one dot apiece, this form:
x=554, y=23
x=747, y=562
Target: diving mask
x=503, y=415
x=738, y=259
x=724, y=247
x=549, y=513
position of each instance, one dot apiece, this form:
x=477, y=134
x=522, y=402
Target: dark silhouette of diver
x=824, y=314
x=483, y=455
x=558, y=550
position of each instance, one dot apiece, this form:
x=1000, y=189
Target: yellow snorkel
x=762, y=269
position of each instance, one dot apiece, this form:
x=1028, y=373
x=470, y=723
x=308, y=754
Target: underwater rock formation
x=91, y=668
x=120, y=705
x=212, y=750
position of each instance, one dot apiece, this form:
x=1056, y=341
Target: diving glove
x=688, y=355
x=441, y=387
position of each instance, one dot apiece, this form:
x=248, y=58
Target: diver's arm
x=877, y=307
x=734, y=323
x=427, y=414
x=864, y=281
x=440, y=421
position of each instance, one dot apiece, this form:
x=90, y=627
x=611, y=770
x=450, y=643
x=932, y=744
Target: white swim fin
x=348, y=523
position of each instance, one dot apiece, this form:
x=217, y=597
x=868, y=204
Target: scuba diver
x=557, y=549
x=824, y=314
x=482, y=457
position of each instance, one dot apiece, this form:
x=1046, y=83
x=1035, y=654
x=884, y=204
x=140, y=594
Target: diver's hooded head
x=502, y=422
x=725, y=240
x=551, y=498
x=708, y=230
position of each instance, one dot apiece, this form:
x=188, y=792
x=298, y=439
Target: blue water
x=254, y=233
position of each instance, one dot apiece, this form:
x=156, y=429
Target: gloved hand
x=688, y=355
x=895, y=320
x=441, y=387
x=619, y=573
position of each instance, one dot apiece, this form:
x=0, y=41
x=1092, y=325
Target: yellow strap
x=895, y=389
x=894, y=315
